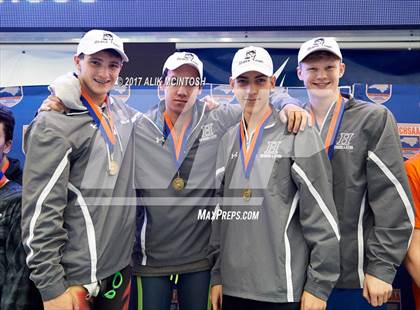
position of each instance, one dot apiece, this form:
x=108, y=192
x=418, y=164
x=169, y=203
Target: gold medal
x=113, y=167
x=247, y=194
x=178, y=184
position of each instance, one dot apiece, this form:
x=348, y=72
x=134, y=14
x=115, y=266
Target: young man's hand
x=376, y=291
x=311, y=302
x=72, y=299
x=211, y=103
x=216, y=297
x=53, y=103
x=295, y=117
x=65, y=301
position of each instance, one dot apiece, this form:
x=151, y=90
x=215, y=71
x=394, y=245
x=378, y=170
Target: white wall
x=34, y=64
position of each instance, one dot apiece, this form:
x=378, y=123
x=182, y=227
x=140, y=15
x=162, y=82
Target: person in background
x=13, y=170
x=17, y=291
x=412, y=260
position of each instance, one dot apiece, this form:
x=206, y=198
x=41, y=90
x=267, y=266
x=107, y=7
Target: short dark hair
x=108, y=51
x=8, y=121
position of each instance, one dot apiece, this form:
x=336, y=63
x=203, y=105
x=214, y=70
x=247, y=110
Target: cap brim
x=243, y=69
x=176, y=66
x=321, y=49
x=97, y=49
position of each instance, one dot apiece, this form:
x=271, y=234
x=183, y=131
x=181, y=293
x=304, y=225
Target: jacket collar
x=199, y=109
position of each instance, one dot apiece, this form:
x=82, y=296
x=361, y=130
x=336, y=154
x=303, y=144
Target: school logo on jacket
x=160, y=140
x=344, y=140
x=379, y=93
x=272, y=150
x=11, y=96
x=207, y=133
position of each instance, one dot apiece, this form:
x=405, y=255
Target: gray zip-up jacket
x=168, y=230
x=371, y=193
x=74, y=213
x=293, y=244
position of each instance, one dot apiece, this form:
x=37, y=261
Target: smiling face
x=321, y=75
x=180, y=95
x=98, y=73
x=7, y=125
x=252, y=89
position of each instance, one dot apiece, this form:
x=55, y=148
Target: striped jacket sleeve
x=389, y=199
x=44, y=198
x=311, y=173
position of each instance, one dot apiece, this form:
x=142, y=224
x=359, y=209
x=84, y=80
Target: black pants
x=235, y=303
x=115, y=291
x=114, y=294
x=155, y=293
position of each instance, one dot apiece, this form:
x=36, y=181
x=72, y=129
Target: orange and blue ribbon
x=248, y=154
x=334, y=127
x=179, y=141
x=3, y=178
x=106, y=125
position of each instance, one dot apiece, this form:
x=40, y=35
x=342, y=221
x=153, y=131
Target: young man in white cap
x=287, y=257
x=76, y=187
x=175, y=142
x=370, y=186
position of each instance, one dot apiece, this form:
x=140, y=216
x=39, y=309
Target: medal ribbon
x=334, y=127
x=179, y=141
x=248, y=155
x=3, y=179
x=106, y=125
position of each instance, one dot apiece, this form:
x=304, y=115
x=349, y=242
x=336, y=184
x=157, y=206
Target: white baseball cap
x=178, y=59
x=252, y=58
x=327, y=44
x=98, y=40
